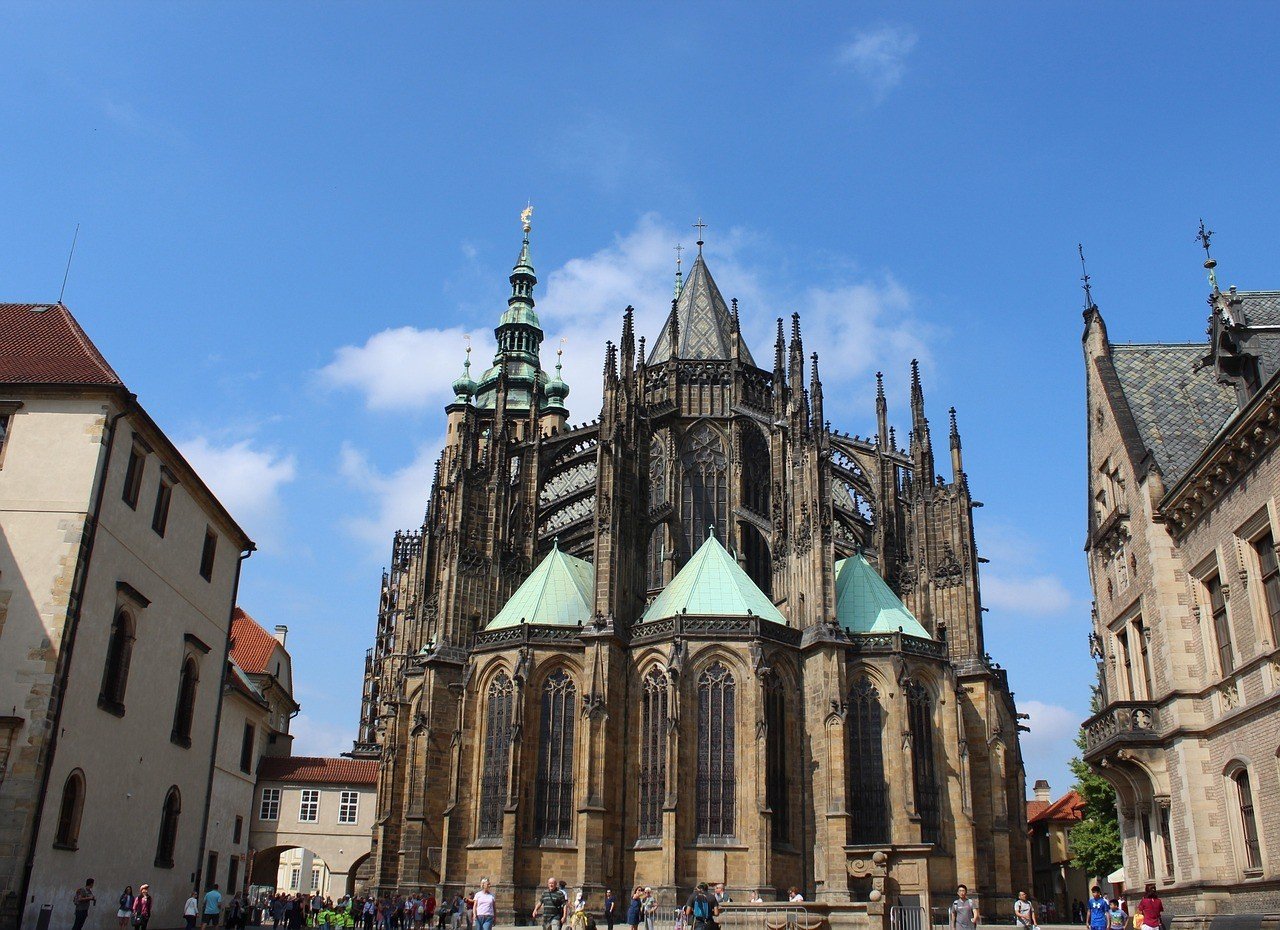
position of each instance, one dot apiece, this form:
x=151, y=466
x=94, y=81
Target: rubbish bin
x=46, y=916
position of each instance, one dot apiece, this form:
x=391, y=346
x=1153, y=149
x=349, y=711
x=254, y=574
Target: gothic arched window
x=68, y=833
x=778, y=774
x=657, y=473
x=866, y=765
x=755, y=552
x=924, y=774
x=756, y=469
x=168, y=839
x=555, y=759
x=497, y=748
x=704, y=500
x=115, y=674
x=653, y=754
x=185, y=711
x=657, y=555
x=716, y=775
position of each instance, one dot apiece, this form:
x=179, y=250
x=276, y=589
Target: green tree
x=1095, y=840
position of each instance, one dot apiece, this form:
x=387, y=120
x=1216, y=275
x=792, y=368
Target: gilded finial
x=1203, y=237
x=525, y=216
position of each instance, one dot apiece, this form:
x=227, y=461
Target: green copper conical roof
x=559, y=592
x=712, y=583
x=865, y=604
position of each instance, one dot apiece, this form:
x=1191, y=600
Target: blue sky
x=291, y=215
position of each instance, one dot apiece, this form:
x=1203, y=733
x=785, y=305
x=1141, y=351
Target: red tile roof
x=1035, y=809
x=251, y=645
x=43, y=344
x=319, y=770
x=1068, y=807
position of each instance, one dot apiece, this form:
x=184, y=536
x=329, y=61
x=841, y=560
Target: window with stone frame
x=1264, y=548
x=167, y=840
x=924, y=774
x=653, y=753
x=553, y=818
x=160, y=515
x=132, y=488
x=657, y=556
x=1217, y=598
x=184, y=712
x=778, y=760
x=1166, y=839
x=705, y=486
x=67, y=834
x=497, y=752
x=348, y=807
x=6, y=420
x=717, y=776
x=1248, y=821
x=867, y=789
x=115, y=673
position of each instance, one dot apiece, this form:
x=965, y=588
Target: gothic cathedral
x=703, y=637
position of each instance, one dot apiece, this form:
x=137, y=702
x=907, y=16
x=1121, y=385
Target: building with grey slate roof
x=1184, y=513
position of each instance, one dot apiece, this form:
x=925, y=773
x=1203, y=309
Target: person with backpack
x=700, y=909
x=1024, y=912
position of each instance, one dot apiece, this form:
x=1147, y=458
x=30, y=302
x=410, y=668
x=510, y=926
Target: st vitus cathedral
x=703, y=637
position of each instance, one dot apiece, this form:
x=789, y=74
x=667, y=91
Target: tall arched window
x=755, y=552
x=653, y=754
x=778, y=765
x=1248, y=820
x=716, y=775
x=555, y=762
x=168, y=840
x=115, y=674
x=497, y=750
x=69, y=811
x=184, y=712
x=704, y=488
x=866, y=765
x=756, y=470
x=924, y=774
x=657, y=472
x=657, y=555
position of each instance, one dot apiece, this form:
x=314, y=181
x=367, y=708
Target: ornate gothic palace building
x=705, y=636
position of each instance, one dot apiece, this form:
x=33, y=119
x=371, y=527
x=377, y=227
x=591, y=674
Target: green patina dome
x=865, y=604
x=559, y=592
x=713, y=584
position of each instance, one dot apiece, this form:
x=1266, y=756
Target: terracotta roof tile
x=1035, y=809
x=43, y=344
x=1068, y=807
x=319, y=770
x=251, y=645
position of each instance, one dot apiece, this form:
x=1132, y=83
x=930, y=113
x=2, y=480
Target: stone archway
x=361, y=874
x=295, y=869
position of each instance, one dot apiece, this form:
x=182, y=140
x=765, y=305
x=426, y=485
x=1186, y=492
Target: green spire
x=464, y=386
x=559, y=592
x=865, y=604
x=712, y=583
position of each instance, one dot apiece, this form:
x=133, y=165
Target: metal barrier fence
x=908, y=918
x=753, y=917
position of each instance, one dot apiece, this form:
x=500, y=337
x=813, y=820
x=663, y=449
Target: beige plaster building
x=1184, y=484
x=323, y=806
x=118, y=572
x=1056, y=880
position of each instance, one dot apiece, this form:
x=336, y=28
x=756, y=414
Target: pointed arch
x=756, y=469
x=497, y=751
x=704, y=485
x=657, y=557
x=924, y=775
x=778, y=761
x=653, y=752
x=554, y=813
x=167, y=841
x=867, y=788
x=755, y=552
x=717, y=776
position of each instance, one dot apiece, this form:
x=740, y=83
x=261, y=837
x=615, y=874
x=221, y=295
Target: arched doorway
x=294, y=870
x=361, y=874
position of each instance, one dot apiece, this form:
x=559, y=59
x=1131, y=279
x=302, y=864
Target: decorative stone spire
x=815, y=393
x=779, y=353
x=957, y=460
x=882, y=413
x=701, y=325
x=557, y=390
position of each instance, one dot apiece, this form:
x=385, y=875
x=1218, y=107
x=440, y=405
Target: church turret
x=815, y=394
x=957, y=461
x=921, y=444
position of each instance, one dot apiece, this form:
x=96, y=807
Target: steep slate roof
x=712, y=584
x=43, y=344
x=318, y=770
x=251, y=645
x=1178, y=405
x=1069, y=807
x=559, y=592
x=865, y=604
x=705, y=324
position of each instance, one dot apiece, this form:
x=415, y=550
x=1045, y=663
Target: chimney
x=282, y=631
x=1041, y=789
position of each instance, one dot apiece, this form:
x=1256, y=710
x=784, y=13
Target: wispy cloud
x=398, y=498
x=315, y=737
x=879, y=57
x=1051, y=742
x=245, y=479
x=1034, y=595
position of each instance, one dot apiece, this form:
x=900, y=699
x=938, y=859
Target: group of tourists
x=1099, y=912
x=133, y=909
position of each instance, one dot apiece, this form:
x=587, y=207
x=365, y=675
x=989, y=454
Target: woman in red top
x=1151, y=908
x=142, y=907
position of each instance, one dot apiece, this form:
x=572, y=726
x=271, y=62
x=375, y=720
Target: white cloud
x=879, y=56
x=1035, y=595
x=313, y=737
x=399, y=498
x=1051, y=742
x=405, y=368
x=246, y=480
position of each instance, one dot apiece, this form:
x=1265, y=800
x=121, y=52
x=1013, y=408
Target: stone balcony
x=1121, y=723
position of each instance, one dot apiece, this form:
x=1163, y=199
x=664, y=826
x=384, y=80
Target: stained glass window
x=653, y=754
x=923, y=769
x=716, y=776
x=867, y=787
x=497, y=749
x=554, y=818
x=704, y=489
x=778, y=765
x=755, y=470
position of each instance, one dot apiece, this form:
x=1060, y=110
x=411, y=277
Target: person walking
x=650, y=908
x=125, y=909
x=1024, y=912
x=191, y=910
x=700, y=908
x=1151, y=908
x=212, y=906
x=459, y=911
x=963, y=913
x=551, y=907
x=610, y=908
x=142, y=907
x=82, y=899
x=1098, y=909
x=482, y=906
x=1116, y=916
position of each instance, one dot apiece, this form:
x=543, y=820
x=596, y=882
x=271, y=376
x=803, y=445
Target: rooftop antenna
x=66, y=274
x=699, y=226
x=1203, y=238
x=1084, y=279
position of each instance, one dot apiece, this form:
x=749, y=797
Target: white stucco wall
x=339, y=845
